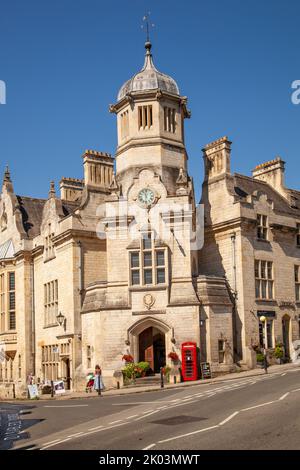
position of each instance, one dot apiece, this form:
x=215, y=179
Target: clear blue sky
x=63, y=62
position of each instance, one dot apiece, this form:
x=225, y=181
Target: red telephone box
x=189, y=361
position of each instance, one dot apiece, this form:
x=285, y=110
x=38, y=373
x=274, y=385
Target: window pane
x=135, y=277
x=263, y=289
x=256, y=268
x=296, y=273
x=297, y=292
x=135, y=260
x=269, y=334
x=270, y=289
x=11, y=281
x=161, y=278
x=12, y=321
x=160, y=258
x=148, y=276
x=148, y=259
x=147, y=242
x=263, y=269
x=270, y=270
x=12, y=301
x=257, y=289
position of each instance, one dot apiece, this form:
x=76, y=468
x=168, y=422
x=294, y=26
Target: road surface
x=250, y=413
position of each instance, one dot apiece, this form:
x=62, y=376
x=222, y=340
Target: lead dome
x=149, y=78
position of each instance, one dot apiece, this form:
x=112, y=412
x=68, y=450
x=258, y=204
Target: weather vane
x=147, y=25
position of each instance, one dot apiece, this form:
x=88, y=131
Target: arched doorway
x=286, y=321
x=152, y=348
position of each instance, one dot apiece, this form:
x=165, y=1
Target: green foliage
x=144, y=366
x=260, y=357
x=129, y=371
x=133, y=370
x=278, y=352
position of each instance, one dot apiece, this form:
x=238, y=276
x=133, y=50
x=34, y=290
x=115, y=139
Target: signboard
x=266, y=313
x=59, y=387
x=33, y=391
x=205, y=370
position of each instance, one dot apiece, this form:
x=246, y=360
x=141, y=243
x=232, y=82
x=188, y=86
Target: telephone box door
x=189, y=361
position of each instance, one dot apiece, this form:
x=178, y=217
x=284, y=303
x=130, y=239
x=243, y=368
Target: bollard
x=161, y=378
x=118, y=385
x=175, y=379
x=52, y=389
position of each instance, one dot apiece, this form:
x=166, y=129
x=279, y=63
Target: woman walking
x=98, y=382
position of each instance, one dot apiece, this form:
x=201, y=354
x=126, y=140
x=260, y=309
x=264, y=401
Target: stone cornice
x=75, y=234
x=149, y=95
x=151, y=142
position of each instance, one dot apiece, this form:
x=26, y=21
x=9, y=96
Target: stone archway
x=150, y=341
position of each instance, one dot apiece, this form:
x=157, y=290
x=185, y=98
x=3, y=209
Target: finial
x=147, y=26
x=52, y=189
x=7, y=175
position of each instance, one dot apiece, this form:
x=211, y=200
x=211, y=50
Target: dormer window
x=262, y=227
x=148, y=265
x=298, y=235
x=145, y=117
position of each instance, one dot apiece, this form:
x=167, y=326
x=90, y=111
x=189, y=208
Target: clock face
x=146, y=196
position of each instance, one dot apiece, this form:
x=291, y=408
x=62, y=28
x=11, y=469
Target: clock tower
x=150, y=126
x=148, y=305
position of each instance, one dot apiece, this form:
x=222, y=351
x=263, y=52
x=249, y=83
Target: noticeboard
x=33, y=391
x=205, y=370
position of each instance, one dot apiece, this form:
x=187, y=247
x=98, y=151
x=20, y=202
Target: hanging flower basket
x=173, y=356
x=128, y=358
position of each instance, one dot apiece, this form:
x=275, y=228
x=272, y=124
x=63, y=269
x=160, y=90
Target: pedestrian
x=98, y=382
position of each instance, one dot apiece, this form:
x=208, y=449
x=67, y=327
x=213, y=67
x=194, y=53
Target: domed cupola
x=149, y=78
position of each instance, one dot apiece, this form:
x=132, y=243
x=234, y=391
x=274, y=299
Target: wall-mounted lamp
x=61, y=319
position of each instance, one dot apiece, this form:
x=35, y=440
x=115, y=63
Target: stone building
x=252, y=237
x=114, y=264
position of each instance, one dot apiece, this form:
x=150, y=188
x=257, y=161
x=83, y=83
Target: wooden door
x=146, y=352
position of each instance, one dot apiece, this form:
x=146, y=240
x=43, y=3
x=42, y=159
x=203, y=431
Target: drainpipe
x=80, y=266
x=233, y=240
x=32, y=317
x=236, y=348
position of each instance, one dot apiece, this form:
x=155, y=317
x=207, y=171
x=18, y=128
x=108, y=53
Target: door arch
x=150, y=340
x=152, y=348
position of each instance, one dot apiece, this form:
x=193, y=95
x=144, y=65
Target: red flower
x=173, y=356
x=127, y=358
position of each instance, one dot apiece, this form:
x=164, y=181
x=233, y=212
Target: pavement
x=251, y=410
x=151, y=388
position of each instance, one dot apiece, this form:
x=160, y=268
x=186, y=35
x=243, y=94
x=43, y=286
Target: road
x=259, y=412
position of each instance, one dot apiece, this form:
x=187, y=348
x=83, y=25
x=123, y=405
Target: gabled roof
x=32, y=212
x=245, y=185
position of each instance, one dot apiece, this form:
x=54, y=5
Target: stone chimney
x=98, y=169
x=70, y=188
x=217, y=158
x=272, y=172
